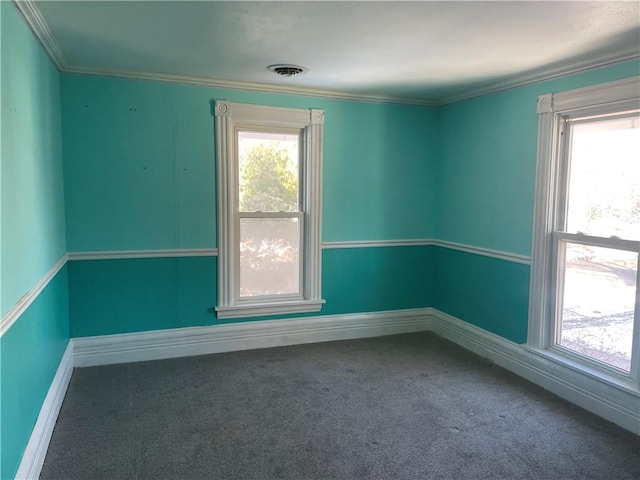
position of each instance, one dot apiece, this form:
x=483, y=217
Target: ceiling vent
x=287, y=70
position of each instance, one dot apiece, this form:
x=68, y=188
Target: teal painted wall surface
x=33, y=233
x=377, y=279
x=30, y=353
x=489, y=293
x=140, y=165
x=32, y=197
x=487, y=162
x=134, y=295
x=122, y=296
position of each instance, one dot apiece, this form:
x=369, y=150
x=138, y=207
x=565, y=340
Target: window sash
x=559, y=236
x=556, y=112
x=610, y=242
x=555, y=313
x=239, y=299
x=302, y=157
x=308, y=123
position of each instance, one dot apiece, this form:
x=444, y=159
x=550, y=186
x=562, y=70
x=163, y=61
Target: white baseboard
x=180, y=342
x=34, y=454
x=612, y=402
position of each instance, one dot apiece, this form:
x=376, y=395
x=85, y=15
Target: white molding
x=602, y=93
x=308, y=123
x=32, y=15
x=487, y=252
x=37, y=24
x=520, y=81
x=123, y=254
x=249, y=86
x=551, y=185
x=36, y=450
x=617, y=404
x=25, y=302
x=548, y=73
x=545, y=103
x=379, y=243
x=262, y=309
x=180, y=342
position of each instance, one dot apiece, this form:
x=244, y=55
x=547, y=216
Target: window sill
x=261, y=309
x=619, y=382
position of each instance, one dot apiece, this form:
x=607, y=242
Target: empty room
x=320, y=240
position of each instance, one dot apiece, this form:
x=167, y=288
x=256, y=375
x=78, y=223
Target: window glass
x=604, y=178
x=598, y=302
x=269, y=256
x=268, y=171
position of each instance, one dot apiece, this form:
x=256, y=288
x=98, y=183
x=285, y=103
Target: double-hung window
x=269, y=167
x=584, y=298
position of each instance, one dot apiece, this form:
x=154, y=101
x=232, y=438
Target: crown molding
x=543, y=74
x=249, y=86
x=536, y=76
x=31, y=13
x=38, y=25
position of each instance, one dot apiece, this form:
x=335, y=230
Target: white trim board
x=180, y=342
x=618, y=405
x=378, y=243
x=36, y=450
x=487, y=252
x=334, y=245
x=34, y=19
x=18, y=309
x=40, y=29
x=124, y=254
x=25, y=302
x=536, y=76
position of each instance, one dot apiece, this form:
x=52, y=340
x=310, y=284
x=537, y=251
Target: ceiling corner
x=32, y=15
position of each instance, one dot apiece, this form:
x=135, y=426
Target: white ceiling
x=416, y=51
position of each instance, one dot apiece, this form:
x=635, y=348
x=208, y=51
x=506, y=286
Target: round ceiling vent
x=287, y=70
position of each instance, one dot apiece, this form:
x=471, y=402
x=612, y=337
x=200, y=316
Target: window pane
x=268, y=171
x=604, y=179
x=269, y=256
x=598, y=302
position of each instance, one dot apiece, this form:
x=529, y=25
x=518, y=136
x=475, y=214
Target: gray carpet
x=400, y=407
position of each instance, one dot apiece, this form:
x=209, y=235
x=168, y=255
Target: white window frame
x=230, y=117
x=550, y=195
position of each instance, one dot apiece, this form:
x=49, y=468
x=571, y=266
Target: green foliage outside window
x=268, y=179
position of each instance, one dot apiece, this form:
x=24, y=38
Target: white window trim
x=622, y=95
x=229, y=115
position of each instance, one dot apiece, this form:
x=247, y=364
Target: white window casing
x=550, y=195
x=229, y=118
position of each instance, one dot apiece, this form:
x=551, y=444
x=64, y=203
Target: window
x=269, y=167
x=584, y=296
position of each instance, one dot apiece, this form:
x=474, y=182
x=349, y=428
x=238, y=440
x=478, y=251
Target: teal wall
x=485, y=189
x=32, y=198
x=33, y=233
x=140, y=165
x=487, y=162
x=133, y=295
x=140, y=174
x=490, y=293
x=30, y=353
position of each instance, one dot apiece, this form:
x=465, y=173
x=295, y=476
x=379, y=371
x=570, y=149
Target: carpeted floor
x=401, y=407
